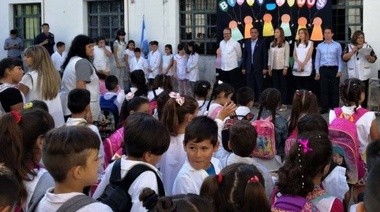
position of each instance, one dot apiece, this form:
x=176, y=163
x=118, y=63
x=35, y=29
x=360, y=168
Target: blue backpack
x=110, y=113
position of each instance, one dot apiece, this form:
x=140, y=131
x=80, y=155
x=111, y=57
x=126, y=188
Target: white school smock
x=166, y=60
x=192, y=67
x=181, y=66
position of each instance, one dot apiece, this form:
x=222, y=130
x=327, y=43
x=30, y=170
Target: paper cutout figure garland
x=302, y=21
x=236, y=34
x=268, y=27
x=280, y=2
x=300, y=3
x=240, y=2
x=321, y=4
x=248, y=24
x=285, y=19
x=317, y=34
x=310, y=3
x=232, y=3
x=250, y=2
x=291, y=3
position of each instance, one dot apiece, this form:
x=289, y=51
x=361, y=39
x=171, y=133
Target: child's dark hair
x=137, y=50
x=154, y=43
x=238, y=187
x=18, y=136
x=180, y=47
x=372, y=190
x=169, y=46
x=201, y=128
x=66, y=147
x=143, y=133
x=8, y=63
x=164, y=81
x=162, y=98
x=243, y=138
x=194, y=46
x=111, y=82
x=174, y=114
x=269, y=99
x=138, y=80
x=34, y=104
x=202, y=88
x=304, y=163
x=373, y=153
x=350, y=90
x=129, y=42
x=9, y=192
x=304, y=102
x=312, y=122
x=218, y=89
x=181, y=202
x=78, y=99
x=60, y=44
x=244, y=96
x=132, y=105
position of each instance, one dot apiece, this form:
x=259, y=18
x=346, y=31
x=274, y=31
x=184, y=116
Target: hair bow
x=253, y=179
x=219, y=178
x=304, y=143
x=220, y=82
x=16, y=115
x=297, y=92
x=129, y=96
x=178, y=98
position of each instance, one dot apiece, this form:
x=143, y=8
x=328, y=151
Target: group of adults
x=258, y=62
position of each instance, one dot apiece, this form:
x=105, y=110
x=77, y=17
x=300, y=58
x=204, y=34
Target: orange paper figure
x=236, y=34
x=291, y=3
x=268, y=27
x=316, y=34
x=248, y=21
x=285, y=19
x=302, y=21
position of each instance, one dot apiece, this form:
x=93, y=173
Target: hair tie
x=129, y=96
x=304, y=143
x=28, y=105
x=220, y=82
x=253, y=179
x=16, y=115
x=297, y=92
x=178, y=98
x=204, y=86
x=219, y=178
x=310, y=93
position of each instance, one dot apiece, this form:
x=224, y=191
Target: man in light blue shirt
x=328, y=67
x=14, y=45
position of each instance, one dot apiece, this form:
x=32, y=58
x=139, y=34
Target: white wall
x=371, y=17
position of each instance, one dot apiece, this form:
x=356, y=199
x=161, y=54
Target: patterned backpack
x=266, y=142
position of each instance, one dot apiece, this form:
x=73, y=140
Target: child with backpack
x=201, y=91
x=70, y=154
x=161, y=82
x=299, y=179
x=176, y=115
x=78, y=102
x=245, y=98
x=138, y=80
x=221, y=94
x=272, y=131
x=352, y=127
x=304, y=102
x=238, y=187
x=145, y=140
x=21, y=138
x=9, y=193
x=114, y=94
x=200, y=142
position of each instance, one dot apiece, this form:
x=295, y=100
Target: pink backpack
x=291, y=140
x=266, y=142
x=112, y=144
x=343, y=134
x=215, y=112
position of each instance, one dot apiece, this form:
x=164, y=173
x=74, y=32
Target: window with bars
x=198, y=23
x=105, y=18
x=27, y=21
x=347, y=18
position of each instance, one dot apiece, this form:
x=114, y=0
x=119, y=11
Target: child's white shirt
x=363, y=126
x=166, y=60
x=212, y=107
x=242, y=111
x=30, y=186
x=146, y=179
x=151, y=94
x=269, y=183
x=192, y=67
x=202, y=107
x=139, y=63
x=51, y=202
x=172, y=161
x=154, y=62
x=181, y=62
x=101, y=60
x=119, y=99
x=336, y=183
x=58, y=59
x=130, y=54
x=77, y=121
x=189, y=180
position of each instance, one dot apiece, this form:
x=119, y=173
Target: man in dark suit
x=255, y=62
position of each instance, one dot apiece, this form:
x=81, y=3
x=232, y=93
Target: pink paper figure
x=317, y=34
x=302, y=21
x=310, y=3
x=236, y=34
x=268, y=27
x=240, y=2
x=248, y=24
x=280, y=2
x=300, y=3
x=285, y=19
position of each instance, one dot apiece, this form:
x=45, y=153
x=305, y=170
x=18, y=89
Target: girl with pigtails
x=299, y=179
x=238, y=187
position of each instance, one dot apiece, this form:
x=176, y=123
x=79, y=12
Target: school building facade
x=167, y=21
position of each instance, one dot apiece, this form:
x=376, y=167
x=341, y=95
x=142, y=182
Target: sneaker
x=283, y=108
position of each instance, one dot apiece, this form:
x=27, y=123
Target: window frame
x=28, y=26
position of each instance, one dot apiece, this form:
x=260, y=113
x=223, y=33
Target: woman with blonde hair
x=42, y=81
x=302, y=59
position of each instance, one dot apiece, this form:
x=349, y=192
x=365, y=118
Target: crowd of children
x=139, y=145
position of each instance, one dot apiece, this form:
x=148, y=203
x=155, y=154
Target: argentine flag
x=144, y=42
